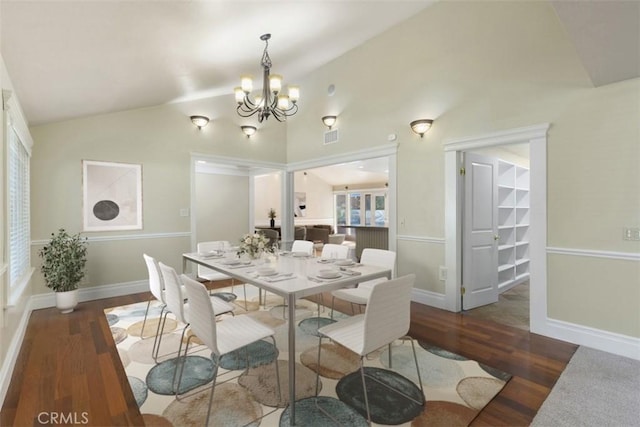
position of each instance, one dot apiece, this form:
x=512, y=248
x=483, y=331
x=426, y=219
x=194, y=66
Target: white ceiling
x=356, y=172
x=76, y=58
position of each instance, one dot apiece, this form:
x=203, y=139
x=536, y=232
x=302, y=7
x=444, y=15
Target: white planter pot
x=66, y=301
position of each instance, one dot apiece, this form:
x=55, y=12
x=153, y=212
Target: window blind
x=19, y=218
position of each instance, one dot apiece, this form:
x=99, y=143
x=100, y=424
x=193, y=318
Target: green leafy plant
x=63, y=261
x=272, y=213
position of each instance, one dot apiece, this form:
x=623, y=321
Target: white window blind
x=19, y=228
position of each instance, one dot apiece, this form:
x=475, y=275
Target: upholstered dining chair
x=386, y=319
x=302, y=246
x=360, y=294
x=157, y=290
x=176, y=304
x=205, y=273
x=221, y=337
x=272, y=235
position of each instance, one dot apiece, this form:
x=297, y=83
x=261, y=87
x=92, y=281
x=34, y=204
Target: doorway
x=536, y=137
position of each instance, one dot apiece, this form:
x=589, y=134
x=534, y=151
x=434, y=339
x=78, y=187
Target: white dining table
x=298, y=277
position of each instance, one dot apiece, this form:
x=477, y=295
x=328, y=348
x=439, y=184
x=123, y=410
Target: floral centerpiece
x=254, y=245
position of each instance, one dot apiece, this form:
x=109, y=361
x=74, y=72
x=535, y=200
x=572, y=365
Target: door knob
x=496, y=237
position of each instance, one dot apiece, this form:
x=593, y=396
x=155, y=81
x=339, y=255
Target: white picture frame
x=111, y=196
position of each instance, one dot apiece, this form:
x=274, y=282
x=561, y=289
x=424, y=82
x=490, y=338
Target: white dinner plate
x=345, y=262
x=232, y=262
x=266, y=272
x=328, y=274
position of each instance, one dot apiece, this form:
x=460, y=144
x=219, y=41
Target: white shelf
x=513, y=223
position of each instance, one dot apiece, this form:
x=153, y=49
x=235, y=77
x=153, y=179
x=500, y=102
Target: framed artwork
x=111, y=196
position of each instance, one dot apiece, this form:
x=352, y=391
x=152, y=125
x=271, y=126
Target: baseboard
x=622, y=345
x=47, y=300
x=89, y=294
x=429, y=298
x=6, y=370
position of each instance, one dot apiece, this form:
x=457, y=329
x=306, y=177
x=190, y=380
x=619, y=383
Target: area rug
x=456, y=389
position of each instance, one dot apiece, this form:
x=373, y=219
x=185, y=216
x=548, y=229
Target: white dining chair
x=177, y=304
x=334, y=251
x=156, y=288
x=386, y=319
x=222, y=337
x=205, y=273
x=360, y=294
x=302, y=246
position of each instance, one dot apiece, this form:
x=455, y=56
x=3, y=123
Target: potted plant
x=63, y=262
x=272, y=217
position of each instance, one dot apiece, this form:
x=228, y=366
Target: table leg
x=184, y=265
x=292, y=359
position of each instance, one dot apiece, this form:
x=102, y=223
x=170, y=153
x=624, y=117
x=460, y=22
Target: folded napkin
x=350, y=272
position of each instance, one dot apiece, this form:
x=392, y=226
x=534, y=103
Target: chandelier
x=270, y=102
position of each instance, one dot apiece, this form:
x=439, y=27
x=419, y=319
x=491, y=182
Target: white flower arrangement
x=254, y=245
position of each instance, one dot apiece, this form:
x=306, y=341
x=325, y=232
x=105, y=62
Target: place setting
x=269, y=274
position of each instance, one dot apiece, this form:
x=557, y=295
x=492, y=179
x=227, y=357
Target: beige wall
x=222, y=207
x=161, y=139
x=476, y=68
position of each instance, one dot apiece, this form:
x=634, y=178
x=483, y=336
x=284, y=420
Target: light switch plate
x=631, y=234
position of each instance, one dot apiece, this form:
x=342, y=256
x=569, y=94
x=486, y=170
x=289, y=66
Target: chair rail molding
x=624, y=256
x=115, y=238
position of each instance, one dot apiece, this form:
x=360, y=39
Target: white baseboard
x=429, y=298
x=39, y=301
x=89, y=294
x=622, y=345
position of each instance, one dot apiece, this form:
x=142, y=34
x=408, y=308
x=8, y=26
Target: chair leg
x=277, y=373
x=415, y=358
x=364, y=388
x=213, y=388
x=159, y=332
x=390, y=361
x=144, y=322
x=318, y=366
x=186, y=350
x=333, y=299
x=176, y=390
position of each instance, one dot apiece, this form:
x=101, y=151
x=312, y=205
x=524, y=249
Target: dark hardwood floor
x=68, y=364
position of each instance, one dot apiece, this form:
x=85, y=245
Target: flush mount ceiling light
x=200, y=121
x=329, y=121
x=421, y=126
x=270, y=102
x=248, y=130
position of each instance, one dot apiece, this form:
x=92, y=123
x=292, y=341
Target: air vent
x=331, y=136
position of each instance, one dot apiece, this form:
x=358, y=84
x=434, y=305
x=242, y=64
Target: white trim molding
x=610, y=342
x=422, y=239
x=624, y=256
x=430, y=298
x=115, y=238
x=369, y=153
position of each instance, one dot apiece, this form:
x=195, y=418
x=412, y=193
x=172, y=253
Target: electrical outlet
x=631, y=234
x=442, y=273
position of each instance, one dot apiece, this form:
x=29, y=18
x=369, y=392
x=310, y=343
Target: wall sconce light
x=329, y=121
x=421, y=126
x=248, y=130
x=200, y=121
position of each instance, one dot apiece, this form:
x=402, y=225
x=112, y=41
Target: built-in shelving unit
x=513, y=224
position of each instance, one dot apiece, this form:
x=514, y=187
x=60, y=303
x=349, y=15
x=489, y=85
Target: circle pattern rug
x=323, y=411
x=261, y=382
x=197, y=371
x=232, y=406
x=459, y=387
x=336, y=361
x=386, y=406
x=257, y=353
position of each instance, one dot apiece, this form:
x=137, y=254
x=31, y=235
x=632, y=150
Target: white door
x=480, y=232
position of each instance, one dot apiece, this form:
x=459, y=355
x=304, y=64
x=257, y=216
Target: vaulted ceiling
x=75, y=58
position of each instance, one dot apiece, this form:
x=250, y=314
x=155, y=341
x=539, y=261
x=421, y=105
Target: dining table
x=291, y=276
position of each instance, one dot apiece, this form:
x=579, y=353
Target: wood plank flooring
x=68, y=364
